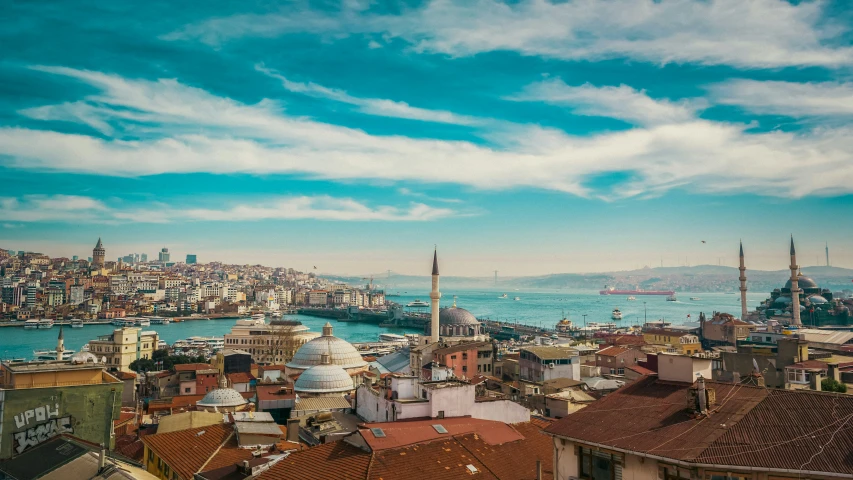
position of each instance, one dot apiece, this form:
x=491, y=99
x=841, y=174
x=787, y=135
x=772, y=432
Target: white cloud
x=622, y=102
x=827, y=99
x=748, y=34
x=195, y=131
x=371, y=106
x=78, y=209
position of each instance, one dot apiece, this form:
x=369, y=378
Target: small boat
x=695, y=299
x=258, y=316
x=52, y=355
x=31, y=324
x=159, y=321
x=45, y=323
x=632, y=298
x=142, y=322
x=391, y=337
x=275, y=315
x=121, y=322
x=503, y=296
x=671, y=298
x=76, y=323
x=616, y=314
x=418, y=303
x=517, y=298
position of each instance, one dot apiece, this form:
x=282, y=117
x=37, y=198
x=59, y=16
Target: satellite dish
x=755, y=365
x=104, y=359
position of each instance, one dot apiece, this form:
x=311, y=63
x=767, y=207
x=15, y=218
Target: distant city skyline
x=528, y=137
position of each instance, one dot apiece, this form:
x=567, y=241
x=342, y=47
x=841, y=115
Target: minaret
x=827, y=254
x=98, y=254
x=60, y=344
x=795, y=287
x=434, y=296
x=742, y=279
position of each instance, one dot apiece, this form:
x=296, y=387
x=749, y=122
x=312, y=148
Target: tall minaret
x=60, y=344
x=742, y=279
x=795, y=287
x=434, y=296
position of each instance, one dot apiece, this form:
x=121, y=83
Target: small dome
x=818, y=300
x=342, y=353
x=222, y=397
x=324, y=378
x=803, y=283
x=456, y=316
x=783, y=300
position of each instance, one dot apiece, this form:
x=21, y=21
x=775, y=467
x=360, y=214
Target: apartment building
x=124, y=346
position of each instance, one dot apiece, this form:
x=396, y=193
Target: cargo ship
x=612, y=291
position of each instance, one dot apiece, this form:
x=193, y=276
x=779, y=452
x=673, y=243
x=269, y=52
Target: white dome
x=222, y=397
x=342, y=353
x=324, y=379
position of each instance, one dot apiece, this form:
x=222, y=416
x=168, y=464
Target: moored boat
x=45, y=323
x=76, y=323
x=616, y=314
x=31, y=324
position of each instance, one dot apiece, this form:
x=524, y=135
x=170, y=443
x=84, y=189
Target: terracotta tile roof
x=240, y=377
x=129, y=446
x=330, y=461
x=612, y=351
x=187, y=451
x=398, y=434
x=124, y=375
x=641, y=370
x=440, y=460
x=748, y=426
x=668, y=333
x=809, y=365
x=273, y=392
x=191, y=367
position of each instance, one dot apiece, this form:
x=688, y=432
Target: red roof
x=124, y=375
x=800, y=429
x=398, y=434
x=275, y=392
x=641, y=370
x=612, y=351
x=240, y=377
x=192, y=367
x=186, y=451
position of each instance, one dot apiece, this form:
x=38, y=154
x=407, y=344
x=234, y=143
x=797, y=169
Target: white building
x=406, y=397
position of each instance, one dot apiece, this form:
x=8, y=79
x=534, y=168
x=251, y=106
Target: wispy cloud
x=371, y=106
x=821, y=99
x=191, y=130
x=79, y=209
x=622, y=102
x=753, y=34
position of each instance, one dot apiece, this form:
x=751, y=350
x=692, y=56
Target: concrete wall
x=40, y=413
x=456, y=401
x=680, y=368
x=500, y=411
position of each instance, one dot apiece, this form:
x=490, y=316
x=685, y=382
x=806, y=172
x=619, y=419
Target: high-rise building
x=164, y=255
x=75, y=258
x=98, y=254
x=143, y=258
x=191, y=259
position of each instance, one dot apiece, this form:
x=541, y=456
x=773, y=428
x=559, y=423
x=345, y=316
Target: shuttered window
x=599, y=465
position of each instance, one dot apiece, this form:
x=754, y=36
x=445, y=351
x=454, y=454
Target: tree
x=833, y=385
x=281, y=344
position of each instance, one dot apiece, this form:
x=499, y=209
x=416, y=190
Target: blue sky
x=527, y=136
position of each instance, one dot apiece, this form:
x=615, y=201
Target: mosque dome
x=803, y=282
x=818, y=300
x=222, y=397
x=341, y=352
x=783, y=300
x=456, y=316
x=324, y=378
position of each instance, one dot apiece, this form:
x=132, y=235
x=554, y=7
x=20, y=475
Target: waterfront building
x=269, y=343
x=124, y=346
x=40, y=400
x=340, y=352
x=403, y=397
x=674, y=428
x=98, y=255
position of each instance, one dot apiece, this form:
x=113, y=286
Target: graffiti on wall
x=39, y=434
x=46, y=424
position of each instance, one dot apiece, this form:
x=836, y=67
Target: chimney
x=293, y=430
x=102, y=459
x=815, y=381
x=538, y=469
x=833, y=372
x=700, y=393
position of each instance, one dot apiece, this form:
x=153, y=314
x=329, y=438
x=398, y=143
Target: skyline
x=529, y=138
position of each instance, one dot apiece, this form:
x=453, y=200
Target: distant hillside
x=699, y=278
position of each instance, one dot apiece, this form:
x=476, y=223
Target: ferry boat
x=45, y=323
x=418, y=303
x=76, y=323
x=47, y=355
x=671, y=298
x=613, y=291
x=695, y=299
x=142, y=322
x=564, y=326
x=391, y=337
x=31, y=324
x=632, y=298
x=616, y=314
x=159, y=320
x=121, y=322
x=258, y=316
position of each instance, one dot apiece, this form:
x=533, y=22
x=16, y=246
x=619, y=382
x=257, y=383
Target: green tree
x=833, y=385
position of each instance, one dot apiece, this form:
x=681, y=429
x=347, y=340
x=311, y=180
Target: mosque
x=802, y=299
x=450, y=325
x=326, y=366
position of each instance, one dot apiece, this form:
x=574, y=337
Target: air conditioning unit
x=551, y=365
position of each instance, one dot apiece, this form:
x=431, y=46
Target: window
x=150, y=455
x=187, y=390
x=597, y=465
